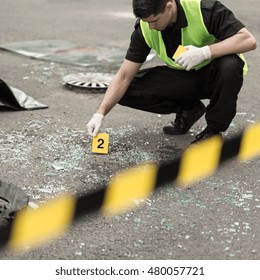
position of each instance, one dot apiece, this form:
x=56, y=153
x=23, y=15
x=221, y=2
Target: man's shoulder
x=209, y=4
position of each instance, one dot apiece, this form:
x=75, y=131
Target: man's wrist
x=206, y=52
x=99, y=115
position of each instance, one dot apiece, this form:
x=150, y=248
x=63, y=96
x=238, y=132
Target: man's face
x=161, y=21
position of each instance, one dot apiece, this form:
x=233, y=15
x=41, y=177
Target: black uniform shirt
x=219, y=20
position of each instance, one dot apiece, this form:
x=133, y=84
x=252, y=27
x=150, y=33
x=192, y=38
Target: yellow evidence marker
x=179, y=51
x=100, y=143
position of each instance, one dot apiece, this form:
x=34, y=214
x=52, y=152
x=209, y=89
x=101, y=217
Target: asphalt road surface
x=47, y=152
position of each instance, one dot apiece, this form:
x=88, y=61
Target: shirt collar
x=181, y=21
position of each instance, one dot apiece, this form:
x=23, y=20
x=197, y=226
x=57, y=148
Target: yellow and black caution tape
x=29, y=227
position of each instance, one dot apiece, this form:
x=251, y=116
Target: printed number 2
x=100, y=146
x=100, y=143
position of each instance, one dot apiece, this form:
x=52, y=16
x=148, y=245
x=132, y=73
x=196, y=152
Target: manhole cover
x=12, y=199
x=4, y=206
x=92, y=81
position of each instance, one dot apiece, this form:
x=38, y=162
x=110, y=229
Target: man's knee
x=230, y=64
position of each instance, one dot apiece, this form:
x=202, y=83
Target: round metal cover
x=88, y=80
x=12, y=199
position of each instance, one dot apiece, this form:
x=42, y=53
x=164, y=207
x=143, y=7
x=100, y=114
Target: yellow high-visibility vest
x=195, y=33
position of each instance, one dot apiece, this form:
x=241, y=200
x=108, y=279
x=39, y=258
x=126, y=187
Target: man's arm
x=118, y=86
x=114, y=93
x=243, y=41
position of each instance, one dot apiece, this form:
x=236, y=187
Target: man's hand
x=94, y=124
x=193, y=57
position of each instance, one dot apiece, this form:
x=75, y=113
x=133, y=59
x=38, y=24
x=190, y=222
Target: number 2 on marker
x=100, y=143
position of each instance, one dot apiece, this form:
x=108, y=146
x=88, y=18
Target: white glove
x=94, y=124
x=193, y=57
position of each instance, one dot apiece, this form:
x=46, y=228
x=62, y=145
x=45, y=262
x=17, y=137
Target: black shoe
x=205, y=134
x=185, y=120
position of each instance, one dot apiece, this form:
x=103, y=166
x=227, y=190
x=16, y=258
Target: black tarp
x=16, y=99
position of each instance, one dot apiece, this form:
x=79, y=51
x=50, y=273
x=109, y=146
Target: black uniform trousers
x=164, y=90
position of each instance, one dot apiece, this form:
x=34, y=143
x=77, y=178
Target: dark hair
x=146, y=8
